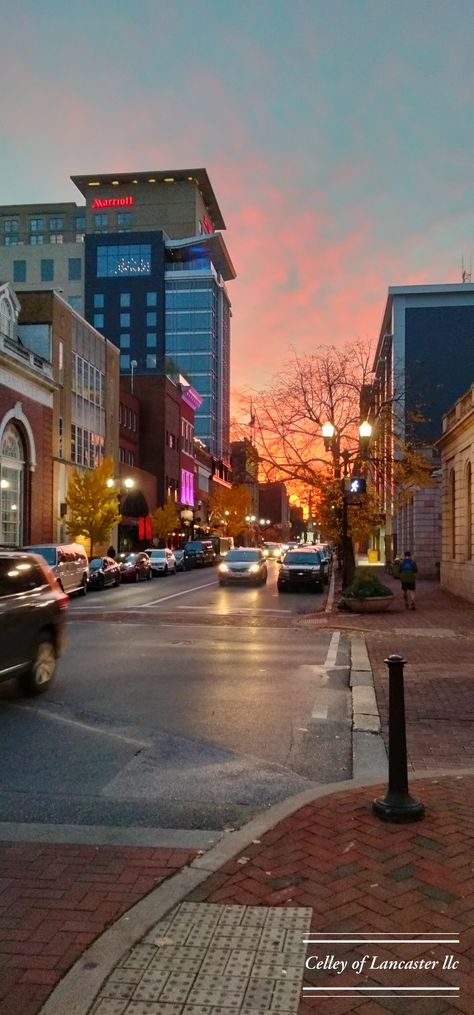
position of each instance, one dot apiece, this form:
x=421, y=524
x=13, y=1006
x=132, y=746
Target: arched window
x=452, y=515
x=468, y=478
x=12, y=466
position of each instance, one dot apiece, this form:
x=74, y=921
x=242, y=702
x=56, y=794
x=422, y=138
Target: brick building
x=457, y=461
x=27, y=392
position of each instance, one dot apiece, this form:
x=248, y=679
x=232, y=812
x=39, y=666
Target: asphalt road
x=179, y=704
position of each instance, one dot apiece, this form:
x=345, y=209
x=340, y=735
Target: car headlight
x=285, y=571
x=315, y=570
x=265, y=553
x=254, y=568
x=223, y=567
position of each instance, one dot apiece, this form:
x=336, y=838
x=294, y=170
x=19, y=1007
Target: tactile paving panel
x=205, y=959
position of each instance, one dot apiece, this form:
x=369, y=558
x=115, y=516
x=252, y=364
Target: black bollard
x=397, y=805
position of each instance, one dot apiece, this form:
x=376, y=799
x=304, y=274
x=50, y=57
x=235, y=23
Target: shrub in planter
x=366, y=585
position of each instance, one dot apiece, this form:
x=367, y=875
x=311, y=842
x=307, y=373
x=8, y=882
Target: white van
x=68, y=563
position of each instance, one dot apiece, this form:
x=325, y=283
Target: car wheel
x=148, y=577
x=117, y=581
x=83, y=588
x=281, y=588
x=41, y=672
x=137, y=577
x=101, y=583
x=221, y=582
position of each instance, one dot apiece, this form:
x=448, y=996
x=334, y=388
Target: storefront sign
x=112, y=202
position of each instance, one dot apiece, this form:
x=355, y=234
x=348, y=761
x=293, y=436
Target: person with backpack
x=406, y=572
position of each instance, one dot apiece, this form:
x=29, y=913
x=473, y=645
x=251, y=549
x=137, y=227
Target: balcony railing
x=18, y=352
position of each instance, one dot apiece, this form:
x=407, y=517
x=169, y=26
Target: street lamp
x=250, y=519
x=187, y=518
x=332, y=442
x=128, y=483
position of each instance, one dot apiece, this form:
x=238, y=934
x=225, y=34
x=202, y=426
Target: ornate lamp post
x=332, y=443
x=187, y=518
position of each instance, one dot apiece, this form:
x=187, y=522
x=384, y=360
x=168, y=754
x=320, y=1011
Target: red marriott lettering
x=113, y=202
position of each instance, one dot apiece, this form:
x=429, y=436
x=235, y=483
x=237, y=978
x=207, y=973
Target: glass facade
x=87, y=413
x=123, y=260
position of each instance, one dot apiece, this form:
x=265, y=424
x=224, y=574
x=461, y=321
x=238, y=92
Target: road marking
x=242, y=609
x=141, y=606
x=83, y=725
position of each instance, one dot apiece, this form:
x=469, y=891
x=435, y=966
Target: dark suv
x=32, y=614
x=198, y=553
x=301, y=569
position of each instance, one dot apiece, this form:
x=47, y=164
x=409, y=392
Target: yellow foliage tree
x=165, y=520
x=92, y=504
x=228, y=507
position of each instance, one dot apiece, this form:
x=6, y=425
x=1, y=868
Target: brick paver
x=56, y=899
x=359, y=874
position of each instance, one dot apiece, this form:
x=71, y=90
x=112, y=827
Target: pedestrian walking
x=111, y=552
x=406, y=572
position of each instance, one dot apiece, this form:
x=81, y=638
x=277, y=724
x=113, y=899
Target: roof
x=449, y=288
x=197, y=176
x=212, y=243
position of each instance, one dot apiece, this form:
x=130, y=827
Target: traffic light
x=355, y=484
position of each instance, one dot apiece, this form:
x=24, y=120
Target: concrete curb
x=369, y=757
x=77, y=990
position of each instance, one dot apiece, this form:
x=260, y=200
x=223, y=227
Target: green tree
x=228, y=507
x=92, y=504
x=165, y=520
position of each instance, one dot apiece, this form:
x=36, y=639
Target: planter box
x=372, y=604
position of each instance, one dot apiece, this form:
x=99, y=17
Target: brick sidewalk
x=359, y=874
x=56, y=899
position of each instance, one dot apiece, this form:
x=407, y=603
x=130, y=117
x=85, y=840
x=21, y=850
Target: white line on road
x=141, y=606
x=83, y=725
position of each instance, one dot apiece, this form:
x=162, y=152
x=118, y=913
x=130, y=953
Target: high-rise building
x=146, y=263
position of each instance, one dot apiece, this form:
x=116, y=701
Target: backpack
x=406, y=565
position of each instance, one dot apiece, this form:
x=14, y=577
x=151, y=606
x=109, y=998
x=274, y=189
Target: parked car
x=326, y=554
x=198, y=553
x=272, y=550
x=163, y=561
x=243, y=565
x=179, y=558
x=103, y=571
x=68, y=563
x=301, y=569
x=135, y=567
x=32, y=615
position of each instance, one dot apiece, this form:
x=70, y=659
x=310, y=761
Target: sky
x=337, y=134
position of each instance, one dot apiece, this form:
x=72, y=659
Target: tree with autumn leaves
x=165, y=521
x=92, y=505
x=228, y=508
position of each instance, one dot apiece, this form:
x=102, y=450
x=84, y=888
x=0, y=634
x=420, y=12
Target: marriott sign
x=112, y=202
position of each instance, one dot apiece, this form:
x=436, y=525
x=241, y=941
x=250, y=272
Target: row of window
x=47, y=270
x=126, y=457
x=88, y=381
x=38, y=240
x=187, y=436
x=150, y=361
x=125, y=319
x=125, y=300
x=55, y=224
x=87, y=448
x=127, y=417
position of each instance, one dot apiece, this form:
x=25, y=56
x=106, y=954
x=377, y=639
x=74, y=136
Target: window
x=124, y=218
x=10, y=225
x=36, y=240
x=74, y=269
x=124, y=260
x=122, y=455
x=11, y=241
x=151, y=340
x=55, y=225
x=124, y=320
x=134, y=422
x=56, y=238
x=151, y=318
x=125, y=362
x=101, y=220
x=125, y=340
x=151, y=361
x=12, y=466
x=79, y=237
x=98, y=321
x=19, y=271
x=124, y=299
x=98, y=301
x=36, y=225
x=47, y=270
x=61, y=360
x=61, y=438
x=151, y=299
x=80, y=223
x=76, y=303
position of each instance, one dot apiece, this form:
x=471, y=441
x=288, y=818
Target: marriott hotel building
x=145, y=262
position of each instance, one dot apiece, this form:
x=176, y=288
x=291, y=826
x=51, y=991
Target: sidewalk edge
x=76, y=992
